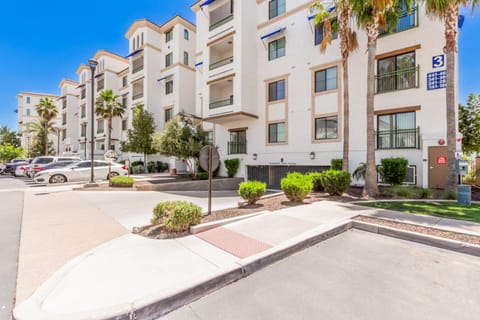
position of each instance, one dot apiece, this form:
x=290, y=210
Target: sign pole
x=210, y=174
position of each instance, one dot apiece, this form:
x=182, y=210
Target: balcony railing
x=407, y=20
x=137, y=69
x=221, y=103
x=221, y=63
x=397, y=80
x=221, y=22
x=137, y=96
x=100, y=131
x=398, y=139
x=237, y=147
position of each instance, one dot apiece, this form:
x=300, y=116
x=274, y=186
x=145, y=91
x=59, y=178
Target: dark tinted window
x=85, y=164
x=100, y=164
x=42, y=160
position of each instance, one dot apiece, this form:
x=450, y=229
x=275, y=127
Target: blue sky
x=42, y=42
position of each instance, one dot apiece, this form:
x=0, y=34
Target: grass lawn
x=439, y=209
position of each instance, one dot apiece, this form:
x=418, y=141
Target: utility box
x=464, y=195
x=461, y=167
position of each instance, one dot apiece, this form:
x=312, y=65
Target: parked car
x=39, y=163
x=80, y=171
x=55, y=165
x=11, y=166
x=20, y=169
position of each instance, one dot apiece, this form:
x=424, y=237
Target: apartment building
x=27, y=115
x=68, y=109
x=273, y=100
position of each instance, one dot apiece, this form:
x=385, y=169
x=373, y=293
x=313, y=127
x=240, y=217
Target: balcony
x=221, y=15
x=221, y=103
x=221, y=63
x=221, y=22
x=137, y=65
x=237, y=147
x=398, y=139
x=137, y=96
x=397, y=80
x=407, y=20
x=100, y=131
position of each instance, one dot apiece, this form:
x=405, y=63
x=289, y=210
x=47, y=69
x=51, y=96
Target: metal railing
x=221, y=22
x=221, y=103
x=137, y=96
x=237, y=147
x=398, y=139
x=397, y=80
x=407, y=20
x=221, y=63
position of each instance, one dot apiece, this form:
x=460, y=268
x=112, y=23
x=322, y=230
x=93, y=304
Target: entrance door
x=437, y=167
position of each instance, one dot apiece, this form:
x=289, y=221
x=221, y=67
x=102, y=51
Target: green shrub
x=177, y=215
x=232, y=166
x=316, y=178
x=137, y=163
x=122, y=182
x=202, y=175
x=151, y=166
x=296, y=186
x=137, y=169
x=394, y=170
x=336, y=182
x=161, y=166
x=337, y=164
x=252, y=190
x=425, y=193
x=449, y=195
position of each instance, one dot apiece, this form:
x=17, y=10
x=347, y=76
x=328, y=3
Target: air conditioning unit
x=410, y=178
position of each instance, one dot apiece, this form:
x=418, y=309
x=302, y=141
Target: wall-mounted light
x=312, y=155
x=254, y=156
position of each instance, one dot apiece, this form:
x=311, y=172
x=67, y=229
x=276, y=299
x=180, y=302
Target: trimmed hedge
x=336, y=182
x=337, y=164
x=394, y=170
x=252, y=190
x=296, y=186
x=138, y=169
x=177, y=216
x=317, y=181
x=232, y=166
x=122, y=182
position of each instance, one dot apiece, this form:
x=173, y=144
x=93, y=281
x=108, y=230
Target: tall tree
x=47, y=110
x=40, y=129
x=9, y=137
x=108, y=107
x=9, y=152
x=469, y=124
x=371, y=15
x=181, y=138
x=447, y=11
x=348, y=43
x=140, y=137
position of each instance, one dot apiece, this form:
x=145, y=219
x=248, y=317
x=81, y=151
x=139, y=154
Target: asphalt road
x=11, y=207
x=355, y=276
x=9, y=182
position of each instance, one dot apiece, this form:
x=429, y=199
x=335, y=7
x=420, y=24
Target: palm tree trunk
x=344, y=48
x=46, y=137
x=109, y=138
x=371, y=188
x=451, y=18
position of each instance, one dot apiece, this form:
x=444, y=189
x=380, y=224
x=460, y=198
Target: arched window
x=185, y=34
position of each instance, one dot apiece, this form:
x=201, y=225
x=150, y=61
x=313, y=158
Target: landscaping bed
x=420, y=229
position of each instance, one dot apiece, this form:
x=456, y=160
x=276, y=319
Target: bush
x=296, y=186
x=252, y=190
x=202, y=175
x=177, y=216
x=137, y=163
x=394, y=170
x=409, y=192
x=337, y=164
x=122, y=182
x=161, y=166
x=316, y=178
x=232, y=166
x=449, y=195
x=138, y=169
x=336, y=182
x=152, y=167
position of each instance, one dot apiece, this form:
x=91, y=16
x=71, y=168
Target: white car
x=20, y=169
x=39, y=163
x=80, y=171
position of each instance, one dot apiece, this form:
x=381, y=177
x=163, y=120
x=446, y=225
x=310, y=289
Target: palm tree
x=47, y=110
x=40, y=129
x=9, y=137
x=371, y=15
x=348, y=43
x=447, y=10
x=108, y=107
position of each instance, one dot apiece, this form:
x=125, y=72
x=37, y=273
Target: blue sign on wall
x=438, y=61
x=437, y=80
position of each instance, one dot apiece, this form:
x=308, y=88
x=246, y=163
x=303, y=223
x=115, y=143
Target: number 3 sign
x=438, y=61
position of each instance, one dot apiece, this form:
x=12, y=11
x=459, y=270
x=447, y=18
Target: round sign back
x=203, y=159
x=110, y=156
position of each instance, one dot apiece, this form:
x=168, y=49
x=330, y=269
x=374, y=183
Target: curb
x=210, y=225
x=443, y=243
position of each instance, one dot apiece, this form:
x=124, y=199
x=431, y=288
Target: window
x=276, y=49
x=238, y=142
x=141, y=39
x=83, y=130
x=28, y=100
x=209, y=136
x=64, y=119
x=168, y=114
x=406, y=20
x=276, y=132
x=326, y=128
x=275, y=8
x=326, y=79
x=85, y=164
x=100, y=126
x=169, y=35
x=124, y=124
x=276, y=90
x=100, y=84
x=82, y=93
x=397, y=131
x=124, y=81
x=125, y=100
x=185, y=34
x=137, y=65
x=185, y=58
x=29, y=112
x=319, y=32
x=397, y=73
x=64, y=134
x=169, y=87
x=221, y=15
x=83, y=111
x=169, y=59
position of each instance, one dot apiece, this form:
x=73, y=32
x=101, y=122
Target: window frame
x=273, y=53
x=277, y=97
x=168, y=59
x=185, y=58
x=169, y=35
x=326, y=119
x=168, y=113
x=169, y=87
x=326, y=87
x=186, y=34
x=393, y=123
x=276, y=140
x=276, y=8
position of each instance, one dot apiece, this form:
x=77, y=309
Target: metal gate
x=272, y=175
